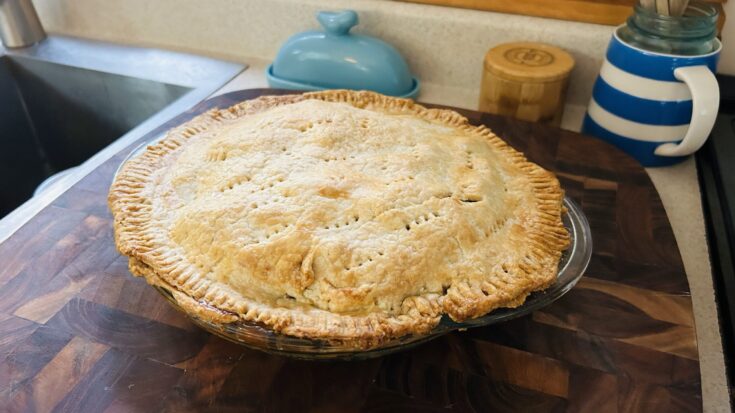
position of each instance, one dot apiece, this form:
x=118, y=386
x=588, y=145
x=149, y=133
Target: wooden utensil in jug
x=666, y=7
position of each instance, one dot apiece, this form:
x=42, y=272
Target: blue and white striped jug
x=657, y=107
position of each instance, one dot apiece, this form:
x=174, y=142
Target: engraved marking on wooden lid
x=529, y=62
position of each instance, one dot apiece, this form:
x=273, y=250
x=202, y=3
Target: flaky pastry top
x=338, y=215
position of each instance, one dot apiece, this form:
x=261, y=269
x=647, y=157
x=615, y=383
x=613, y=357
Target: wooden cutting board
x=78, y=333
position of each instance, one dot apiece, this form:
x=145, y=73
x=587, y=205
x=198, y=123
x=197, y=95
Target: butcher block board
x=78, y=333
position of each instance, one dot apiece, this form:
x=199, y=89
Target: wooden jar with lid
x=527, y=81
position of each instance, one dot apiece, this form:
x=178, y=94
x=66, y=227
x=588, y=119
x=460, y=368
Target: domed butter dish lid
x=337, y=59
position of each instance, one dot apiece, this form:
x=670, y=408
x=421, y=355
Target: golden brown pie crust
x=344, y=216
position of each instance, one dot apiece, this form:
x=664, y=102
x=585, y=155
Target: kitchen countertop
x=678, y=187
x=434, y=40
x=679, y=192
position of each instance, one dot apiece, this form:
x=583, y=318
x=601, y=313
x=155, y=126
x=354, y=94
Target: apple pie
x=339, y=216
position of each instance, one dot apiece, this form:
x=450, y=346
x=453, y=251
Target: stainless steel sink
x=55, y=117
x=68, y=102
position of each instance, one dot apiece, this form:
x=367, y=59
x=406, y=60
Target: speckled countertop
x=444, y=48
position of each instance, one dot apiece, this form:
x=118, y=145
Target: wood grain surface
x=78, y=333
x=608, y=12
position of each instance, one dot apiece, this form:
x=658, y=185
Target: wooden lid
x=529, y=62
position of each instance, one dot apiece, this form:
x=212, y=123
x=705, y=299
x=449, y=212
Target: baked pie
x=342, y=216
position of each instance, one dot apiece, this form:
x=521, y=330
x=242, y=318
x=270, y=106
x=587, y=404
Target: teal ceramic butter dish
x=337, y=59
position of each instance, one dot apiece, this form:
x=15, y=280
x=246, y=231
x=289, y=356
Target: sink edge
x=207, y=77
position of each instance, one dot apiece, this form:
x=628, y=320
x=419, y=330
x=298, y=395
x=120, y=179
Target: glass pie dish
x=572, y=265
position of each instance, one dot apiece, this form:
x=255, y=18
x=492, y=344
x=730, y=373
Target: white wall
x=727, y=59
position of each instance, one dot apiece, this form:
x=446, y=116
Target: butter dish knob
x=338, y=23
